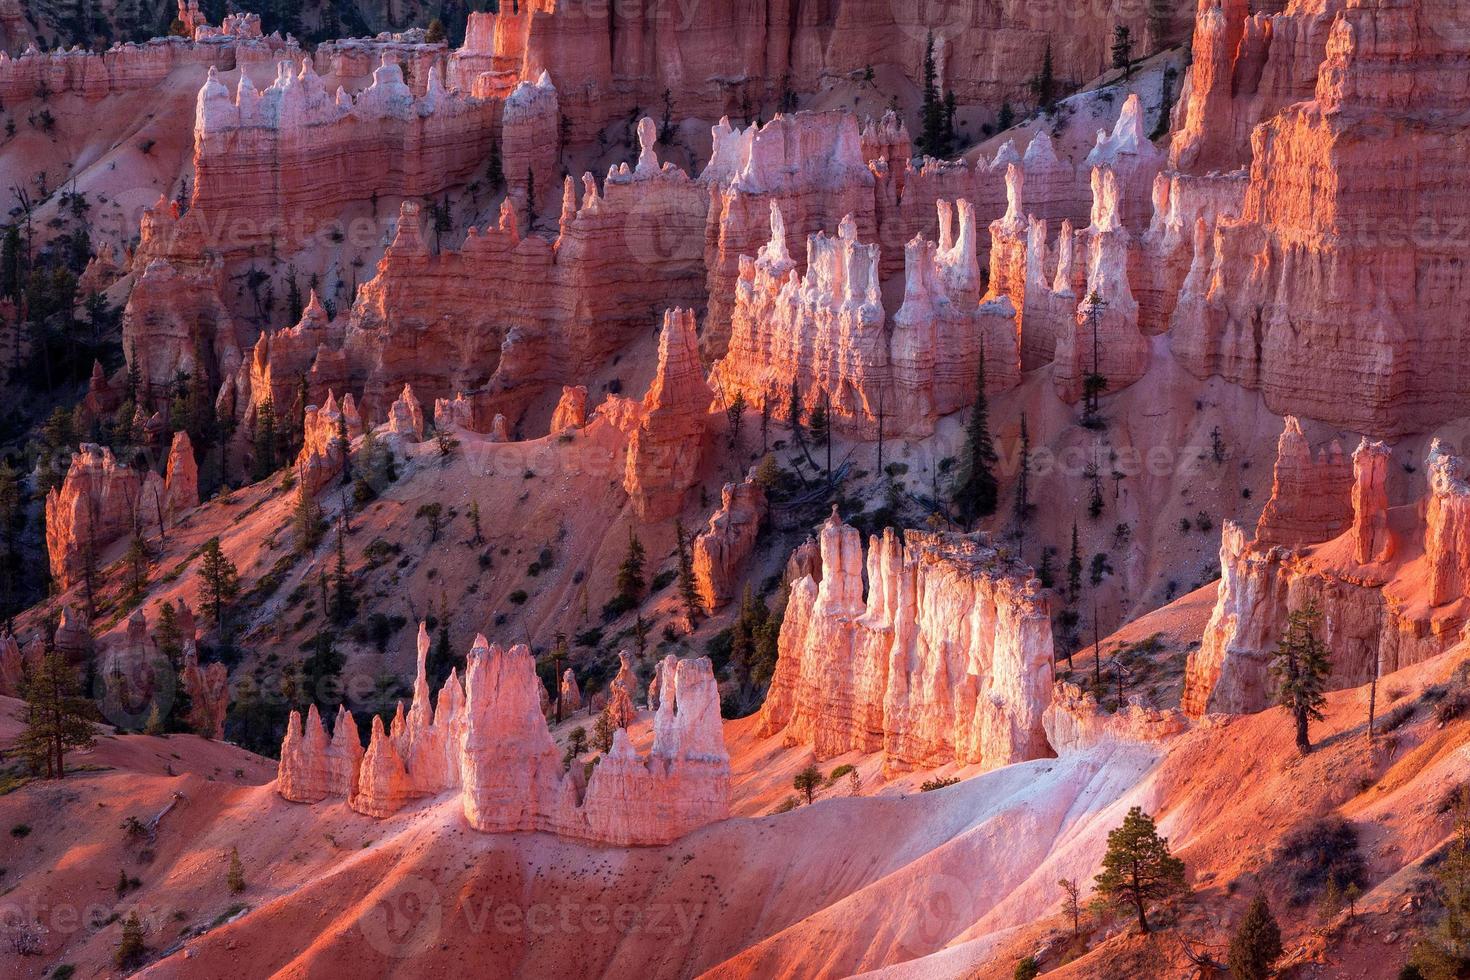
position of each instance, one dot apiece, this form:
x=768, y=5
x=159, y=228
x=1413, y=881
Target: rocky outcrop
x=1447, y=525
x=181, y=478
x=12, y=667
x=668, y=441
x=571, y=694
x=1384, y=606
x=720, y=550
x=1320, y=296
x=99, y=502
x=1372, y=536
x=826, y=331
x=488, y=741
x=1310, y=497
x=1074, y=722
x=1104, y=338
x=948, y=659
x=530, y=140
x=571, y=409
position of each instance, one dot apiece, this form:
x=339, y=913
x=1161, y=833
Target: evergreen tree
x=1006, y=118
x=1023, y=483
x=1138, y=870
x=56, y=716
x=136, y=584
x=530, y=198
x=477, y=537
x=1044, y=85
x=931, y=137
x=435, y=31
x=344, y=603
x=1300, y=667
x=433, y=515
x=688, y=591
x=221, y=583
x=265, y=441
x=496, y=169
x=1074, y=570
x=1444, y=952
x=807, y=782
x=630, y=572
x=793, y=415
x=294, y=305
x=306, y=520
x=976, y=491
x=1256, y=943
x=235, y=879
x=1123, y=49
x=131, y=948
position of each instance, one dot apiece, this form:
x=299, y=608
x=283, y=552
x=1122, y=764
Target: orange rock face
x=720, y=550
x=874, y=674
x=99, y=502
x=1383, y=606
x=1309, y=496
x=1331, y=293
x=667, y=443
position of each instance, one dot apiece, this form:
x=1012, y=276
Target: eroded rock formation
x=720, y=550
x=948, y=659
x=488, y=740
x=667, y=442
x=1384, y=606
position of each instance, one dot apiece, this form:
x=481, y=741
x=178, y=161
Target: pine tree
x=236, y=876
x=1300, y=667
x=688, y=591
x=130, y=949
x=807, y=782
x=433, y=514
x=793, y=415
x=1074, y=569
x=1256, y=943
x=136, y=585
x=1123, y=49
x=630, y=572
x=306, y=520
x=56, y=716
x=931, y=137
x=294, y=305
x=434, y=33
x=496, y=170
x=530, y=198
x=1138, y=869
x=477, y=537
x=1072, y=904
x=1044, y=85
x=976, y=491
x=1023, y=484
x=265, y=441
x=344, y=603
x=1445, y=949
x=221, y=582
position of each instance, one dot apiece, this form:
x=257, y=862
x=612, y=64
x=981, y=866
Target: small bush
x=838, y=773
x=1321, y=851
x=518, y=596
x=938, y=782
x=20, y=830
x=786, y=805
x=1398, y=717
x=662, y=580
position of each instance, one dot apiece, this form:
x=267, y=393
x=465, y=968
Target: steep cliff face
x=1333, y=294
x=948, y=659
x=1390, y=587
x=273, y=167
x=487, y=740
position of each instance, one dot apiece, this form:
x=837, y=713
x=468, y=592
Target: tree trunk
x=1142, y=919
x=1303, y=743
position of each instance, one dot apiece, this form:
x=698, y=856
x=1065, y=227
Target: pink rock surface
x=720, y=550
x=1310, y=496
